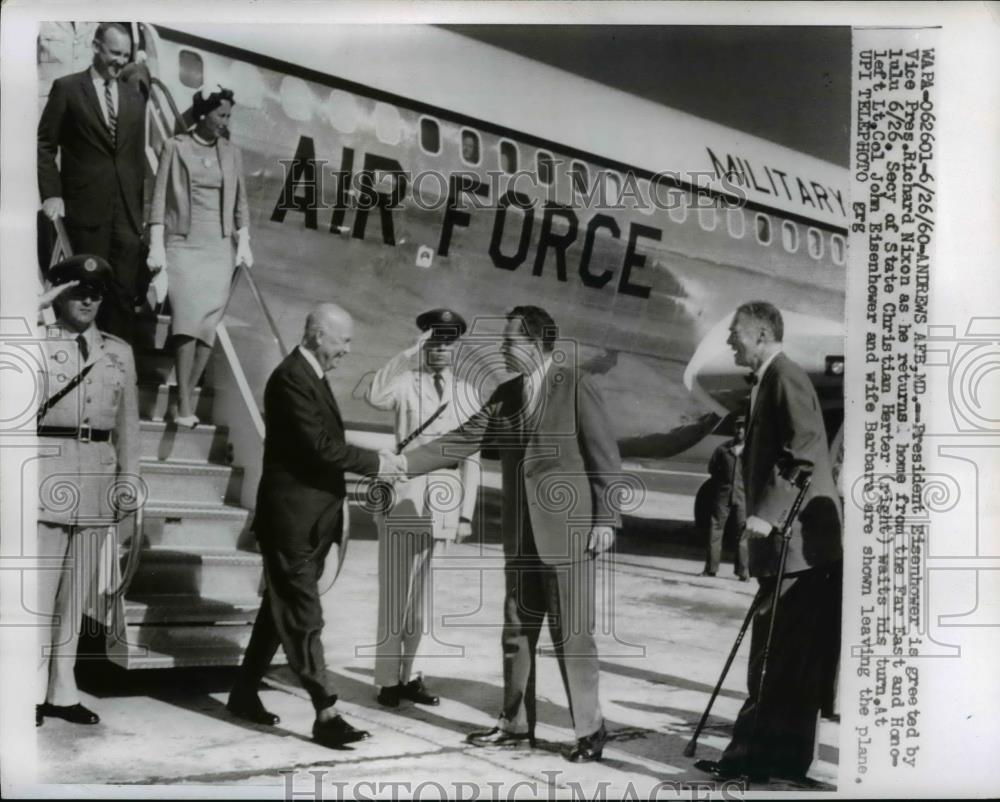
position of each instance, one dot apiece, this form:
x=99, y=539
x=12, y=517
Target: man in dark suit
x=785, y=431
x=298, y=518
x=559, y=461
x=94, y=123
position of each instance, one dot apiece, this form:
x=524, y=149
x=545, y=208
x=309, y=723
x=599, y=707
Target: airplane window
x=789, y=236
x=508, y=157
x=470, y=147
x=763, y=230
x=815, y=241
x=736, y=223
x=430, y=136
x=343, y=111
x=678, y=205
x=707, y=218
x=248, y=84
x=545, y=167
x=388, y=124
x=192, y=69
x=837, y=249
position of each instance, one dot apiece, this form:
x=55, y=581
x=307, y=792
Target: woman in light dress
x=199, y=234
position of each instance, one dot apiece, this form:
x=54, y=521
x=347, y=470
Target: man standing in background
x=94, y=123
x=727, y=503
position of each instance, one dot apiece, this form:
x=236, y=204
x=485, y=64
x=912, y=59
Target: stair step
x=176, y=645
x=195, y=571
x=165, y=441
x=199, y=482
x=159, y=401
x=154, y=367
x=178, y=525
x=172, y=608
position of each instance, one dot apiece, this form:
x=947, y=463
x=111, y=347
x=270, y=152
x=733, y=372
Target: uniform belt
x=84, y=434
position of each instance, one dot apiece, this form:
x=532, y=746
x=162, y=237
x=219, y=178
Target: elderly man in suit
x=559, y=460
x=775, y=736
x=298, y=518
x=428, y=401
x=88, y=428
x=94, y=123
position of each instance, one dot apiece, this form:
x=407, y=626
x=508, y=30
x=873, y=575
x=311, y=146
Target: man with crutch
x=795, y=634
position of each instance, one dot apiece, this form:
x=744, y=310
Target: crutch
x=797, y=479
x=800, y=476
x=692, y=745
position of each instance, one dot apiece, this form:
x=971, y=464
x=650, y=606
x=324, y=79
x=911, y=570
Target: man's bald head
x=328, y=333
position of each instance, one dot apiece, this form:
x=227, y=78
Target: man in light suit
x=428, y=401
x=88, y=429
x=785, y=430
x=94, y=123
x=559, y=460
x=298, y=518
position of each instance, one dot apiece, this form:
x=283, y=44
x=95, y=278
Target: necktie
x=109, y=103
x=439, y=384
x=81, y=341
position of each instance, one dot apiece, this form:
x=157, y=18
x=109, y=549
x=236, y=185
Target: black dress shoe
x=590, y=748
x=499, y=737
x=415, y=691
x=250, y=708
x=336, y=732
x=707, y=573
x=723, y=770
x=388, y=696
x=75, y=714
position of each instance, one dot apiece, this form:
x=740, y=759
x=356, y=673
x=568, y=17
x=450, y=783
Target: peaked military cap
x=85, y=268
x=445, y=324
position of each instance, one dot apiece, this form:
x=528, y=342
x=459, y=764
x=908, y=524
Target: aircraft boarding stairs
x=191, y=573
x=194, y=593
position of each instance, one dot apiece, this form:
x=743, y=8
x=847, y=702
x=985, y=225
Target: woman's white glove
x=157, y=258
x=243, y=252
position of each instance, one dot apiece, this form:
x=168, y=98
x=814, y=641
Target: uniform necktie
x=81, y=341
x=109, y=102
x=439, y=385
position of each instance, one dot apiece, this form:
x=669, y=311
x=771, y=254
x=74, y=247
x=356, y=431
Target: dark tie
x=84, y=348
x=439, y=384
x=751, y=378
x=109, y=102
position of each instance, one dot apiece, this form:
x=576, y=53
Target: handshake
x=391, y=467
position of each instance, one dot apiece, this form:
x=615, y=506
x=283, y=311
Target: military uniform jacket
x=447, y=494
x=78, y=480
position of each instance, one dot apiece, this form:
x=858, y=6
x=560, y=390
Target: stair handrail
x=247, y=273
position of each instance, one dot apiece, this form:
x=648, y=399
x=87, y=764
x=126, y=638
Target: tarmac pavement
x=663, y=635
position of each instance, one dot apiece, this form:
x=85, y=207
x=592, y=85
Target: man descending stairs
x=195, y=592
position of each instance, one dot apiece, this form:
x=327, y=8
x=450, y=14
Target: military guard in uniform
x=88, y=427
x=428, y=401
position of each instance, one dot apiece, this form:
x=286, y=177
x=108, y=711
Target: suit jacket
x=724, y=467
x=559, y=465
x=76, y=479
x=172, y=191
x=302, y=485
x=786, y=429
x=94, y=171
